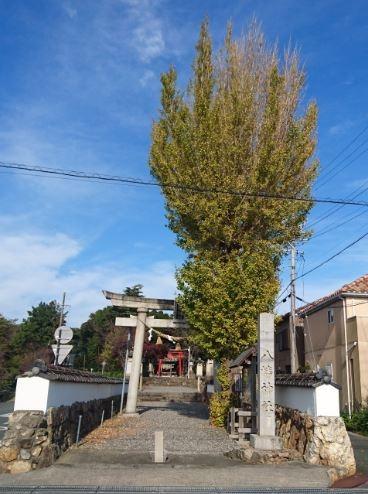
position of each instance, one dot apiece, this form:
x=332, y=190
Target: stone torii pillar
x=140, y=322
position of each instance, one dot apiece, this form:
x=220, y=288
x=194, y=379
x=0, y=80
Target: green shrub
x=219, y=408
x=221, y=402
x=358, y=422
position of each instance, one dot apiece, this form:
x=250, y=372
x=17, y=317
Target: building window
x=282, y=341
x=330, y=316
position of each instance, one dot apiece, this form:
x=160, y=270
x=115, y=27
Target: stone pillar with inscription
x=266, y=439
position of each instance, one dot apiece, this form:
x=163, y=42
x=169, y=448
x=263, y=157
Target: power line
x=185, y=187
x=333, y=256
x=323, y=232
x=353, y=195
x=306, y=273
x=340, y=153
x=318, y=185
x=338, y=170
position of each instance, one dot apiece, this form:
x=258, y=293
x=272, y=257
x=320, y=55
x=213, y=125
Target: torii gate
x=140, y=322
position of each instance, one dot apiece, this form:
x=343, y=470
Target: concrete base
x=265, y=442
x=131, y=414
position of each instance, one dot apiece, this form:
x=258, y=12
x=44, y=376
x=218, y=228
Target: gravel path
x=186, y=431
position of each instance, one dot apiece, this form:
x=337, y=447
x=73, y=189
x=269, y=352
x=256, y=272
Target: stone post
x=266, y=439
x=131, y=407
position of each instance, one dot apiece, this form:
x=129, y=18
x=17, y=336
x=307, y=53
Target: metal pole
x=79, y=427
x=346, y=356
x=125, y=373
x=58, y=343
x=293, y=356
x=102, y=417
x=112, y=408
x=188, y=362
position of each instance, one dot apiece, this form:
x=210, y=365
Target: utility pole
x=58, y=343
x=292, y=329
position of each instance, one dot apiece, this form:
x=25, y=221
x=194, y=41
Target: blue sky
x=79, y=88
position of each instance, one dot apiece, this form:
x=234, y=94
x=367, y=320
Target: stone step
x=170, y=397
x=170, y=381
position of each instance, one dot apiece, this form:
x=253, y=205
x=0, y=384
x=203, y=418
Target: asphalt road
x=360, y=447
x=5, y=409
x=163, y=490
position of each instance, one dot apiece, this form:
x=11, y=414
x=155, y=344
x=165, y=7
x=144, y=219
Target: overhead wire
x=340, y=153
x=185, y=187
x=135, y=181
x=325, y=261
x=353, y=195
x=326, y=172
x=338, y=170
x=336, y=226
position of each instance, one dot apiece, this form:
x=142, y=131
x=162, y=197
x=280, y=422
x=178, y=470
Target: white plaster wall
x=36, y=393
x=302, y=399
x=327, y=401
x=31, y=393
x=68, y=393
x=317, y=402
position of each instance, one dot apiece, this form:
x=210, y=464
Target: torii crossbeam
x=143, y=305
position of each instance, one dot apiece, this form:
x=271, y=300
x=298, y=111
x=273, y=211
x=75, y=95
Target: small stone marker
x=266, y=439
x=160, y=456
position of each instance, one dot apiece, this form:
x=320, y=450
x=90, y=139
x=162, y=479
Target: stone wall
x=35, y=440
x=321, y=440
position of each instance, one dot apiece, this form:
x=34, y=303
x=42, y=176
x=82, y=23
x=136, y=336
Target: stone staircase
x=170, y=381
x=169, y=389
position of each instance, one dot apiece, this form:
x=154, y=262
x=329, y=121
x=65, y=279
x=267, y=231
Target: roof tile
x=359, y=286
x=66, y=374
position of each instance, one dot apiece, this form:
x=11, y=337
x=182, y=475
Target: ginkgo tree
x=238, y=131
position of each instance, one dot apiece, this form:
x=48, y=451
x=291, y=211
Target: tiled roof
x=66, y=374
x=243, y=357
x=308, y=380
x=358, y=286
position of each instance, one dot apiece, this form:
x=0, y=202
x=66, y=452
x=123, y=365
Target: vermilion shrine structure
x=141, y=322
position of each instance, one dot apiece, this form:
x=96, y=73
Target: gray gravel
x=195, y=457
x=186, y=428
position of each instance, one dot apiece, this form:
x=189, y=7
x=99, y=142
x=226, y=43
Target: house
x=335, y=337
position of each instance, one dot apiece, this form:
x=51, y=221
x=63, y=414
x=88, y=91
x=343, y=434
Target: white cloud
x=147, y=76
x=34, y=267
x=341, y=128
x=148, y=39
x=71, y=11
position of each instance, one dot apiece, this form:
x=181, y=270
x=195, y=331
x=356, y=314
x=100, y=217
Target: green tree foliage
x=92, y=336
x=99, y=340
x=8, y=364
x=134, y=291
x=238, y=126
x=37, y=330
x=222, y=297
